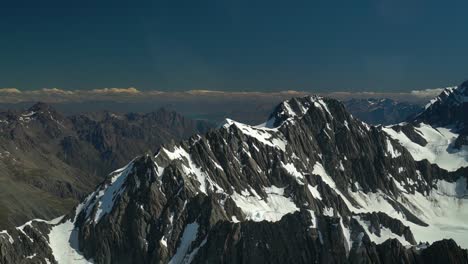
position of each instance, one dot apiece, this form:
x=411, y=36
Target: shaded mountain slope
x=312, y=184
x=49, y=161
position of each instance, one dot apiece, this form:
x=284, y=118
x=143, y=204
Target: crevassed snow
x=445, y=210
x=445, y=214
x=189, y=235
x=439, y=148
x=271, y=209
x=453, y=189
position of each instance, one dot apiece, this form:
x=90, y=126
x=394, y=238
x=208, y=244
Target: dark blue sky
x=380, y=45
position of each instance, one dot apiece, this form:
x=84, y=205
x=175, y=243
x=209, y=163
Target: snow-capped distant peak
x=455, y=95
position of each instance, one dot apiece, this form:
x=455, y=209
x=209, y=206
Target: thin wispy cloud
x=130, y=90
x=427, y=92
x=132, y=94
x=53, y=91
x=9, y=90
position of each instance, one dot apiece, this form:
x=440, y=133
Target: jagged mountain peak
x=41, y=107
x=324, y=111
x=295, y=107
x=454, y=95
x=447, y=109
x=315, y=187
x=45, y=113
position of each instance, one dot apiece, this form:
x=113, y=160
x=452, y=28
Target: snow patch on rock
x=439, y=148
x=271, y=209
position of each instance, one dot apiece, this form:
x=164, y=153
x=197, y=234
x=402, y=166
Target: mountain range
x=382, y=111
x=50, y=161
x=312, y=184
x=247, y=108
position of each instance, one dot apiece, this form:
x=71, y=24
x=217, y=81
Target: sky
x=178, y=45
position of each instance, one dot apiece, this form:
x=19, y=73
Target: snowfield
x=439, y=148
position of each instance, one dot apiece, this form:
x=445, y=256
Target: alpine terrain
x=310, y=185
x=49, y=161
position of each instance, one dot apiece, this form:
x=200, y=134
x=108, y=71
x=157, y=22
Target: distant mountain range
x=312, y=184
x=49, y=161
x=382, y=111
x=249, y=110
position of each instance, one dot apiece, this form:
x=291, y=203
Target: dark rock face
x=27, y=244
x=381, y=111
x=291, y=240
x=49, y=161
x=391, y=251
x=379, y=219
x=119, y=138
x=314, y=185
x=445, y=251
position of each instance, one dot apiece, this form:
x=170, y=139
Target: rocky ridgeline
x=311, y=185
x=49, y=161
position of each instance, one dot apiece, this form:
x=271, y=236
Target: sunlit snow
x=439, y=149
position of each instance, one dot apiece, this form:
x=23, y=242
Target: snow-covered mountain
x=312, y=184
x=439, y=134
